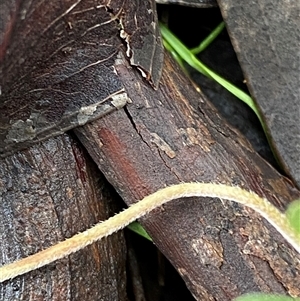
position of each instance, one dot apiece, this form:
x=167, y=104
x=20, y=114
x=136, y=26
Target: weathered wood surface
x=56, y=63
x=265, y=35
x=167, y=136
x=48, y=193
x=173, y=135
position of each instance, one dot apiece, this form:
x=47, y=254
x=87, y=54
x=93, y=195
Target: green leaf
x=138, y=228
x=293, y=214
x=265, y=297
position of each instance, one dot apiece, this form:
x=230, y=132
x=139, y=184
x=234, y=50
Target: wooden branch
x=48, y=193
x=174, y=135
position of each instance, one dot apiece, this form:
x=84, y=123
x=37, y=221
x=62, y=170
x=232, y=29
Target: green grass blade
x=174, y=54
x=209, y=39
x=193, y=61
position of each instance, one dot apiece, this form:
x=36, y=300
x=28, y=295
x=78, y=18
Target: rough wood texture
x=56, y=63
x=174, y=135
x=48, y=193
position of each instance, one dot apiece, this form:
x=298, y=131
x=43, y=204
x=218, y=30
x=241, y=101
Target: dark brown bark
x=173, y=135
x=56, y=63
x=48, y=193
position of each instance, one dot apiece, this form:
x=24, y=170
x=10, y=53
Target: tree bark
x=48, y=193
x=174, y=135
